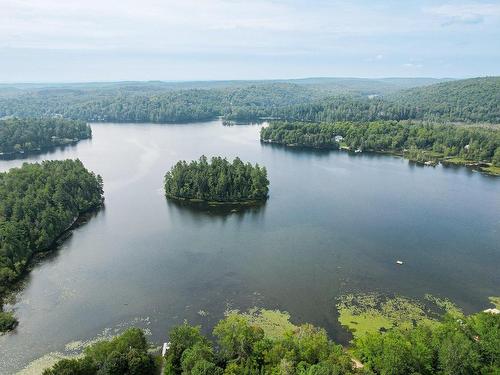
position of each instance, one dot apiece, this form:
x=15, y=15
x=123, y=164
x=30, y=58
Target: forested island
x=38, y=203
x=421, y=142
x=266, y=342
x=34, y=134
x=218, y=181
x=473, y=100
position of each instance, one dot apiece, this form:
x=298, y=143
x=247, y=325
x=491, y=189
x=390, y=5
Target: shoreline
x=16, y=155
x=482, y=167
x=216, y=203
x=41, y=254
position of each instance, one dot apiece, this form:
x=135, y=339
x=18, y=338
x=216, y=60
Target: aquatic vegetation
x=446, y=305
x=256, y=342
x=495, y=301
x=37, y=366
x=124, y=354
x=274, y=323
x=374, y=312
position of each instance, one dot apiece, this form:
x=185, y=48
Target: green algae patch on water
x=75, y=349
x=374, y=312
x=274, y=323
x=37, y=366
x=446, y=306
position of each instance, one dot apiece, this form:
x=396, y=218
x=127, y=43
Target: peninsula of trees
x=417, y=141
x=38, y=203
x=29, y=134
x=217, y=181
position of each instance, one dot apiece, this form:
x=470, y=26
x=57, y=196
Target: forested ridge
x=244, y=346
x=157, y=106
x=30, y=134
x=38, y=202
x=318, y=100
x=471, y=100
x=468, y=100
x=217, y=181
x=417, y=141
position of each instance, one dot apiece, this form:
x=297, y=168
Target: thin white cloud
x=465, y=14
x=378, y=57
x=171, y=39
x=193, y=24
x=413, y=65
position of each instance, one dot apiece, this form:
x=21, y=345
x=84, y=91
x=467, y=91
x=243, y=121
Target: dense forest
x=465, y=345
x=251, y=101
x=468, y=100
x=28, y=134
x=469, y=345
x=472, y=100
x=416, y=141
x=38, y=202
x=319, y=100
x=217, y=181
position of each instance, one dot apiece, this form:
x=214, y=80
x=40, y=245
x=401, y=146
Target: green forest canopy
x=470, y=100
x=124, y=354
x=469, y=143
x=218, y=181
x=31, y=134
x=38, y=202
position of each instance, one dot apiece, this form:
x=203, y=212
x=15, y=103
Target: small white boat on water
x=400, y=262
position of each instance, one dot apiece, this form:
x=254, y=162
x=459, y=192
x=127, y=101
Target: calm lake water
x=334, y=223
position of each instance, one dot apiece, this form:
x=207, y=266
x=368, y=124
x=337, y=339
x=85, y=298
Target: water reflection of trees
x=42, y=153
x=202, y=210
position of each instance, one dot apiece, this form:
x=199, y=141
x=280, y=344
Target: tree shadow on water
x=202, y=210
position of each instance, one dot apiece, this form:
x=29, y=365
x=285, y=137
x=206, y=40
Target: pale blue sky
x=103, y=40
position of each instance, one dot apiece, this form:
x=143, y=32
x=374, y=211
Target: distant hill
x=333, y=85
x=309, y=99
x=475, y=99
x=366, y=86
x=471, y=100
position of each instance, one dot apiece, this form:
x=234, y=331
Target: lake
x=334, y=223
